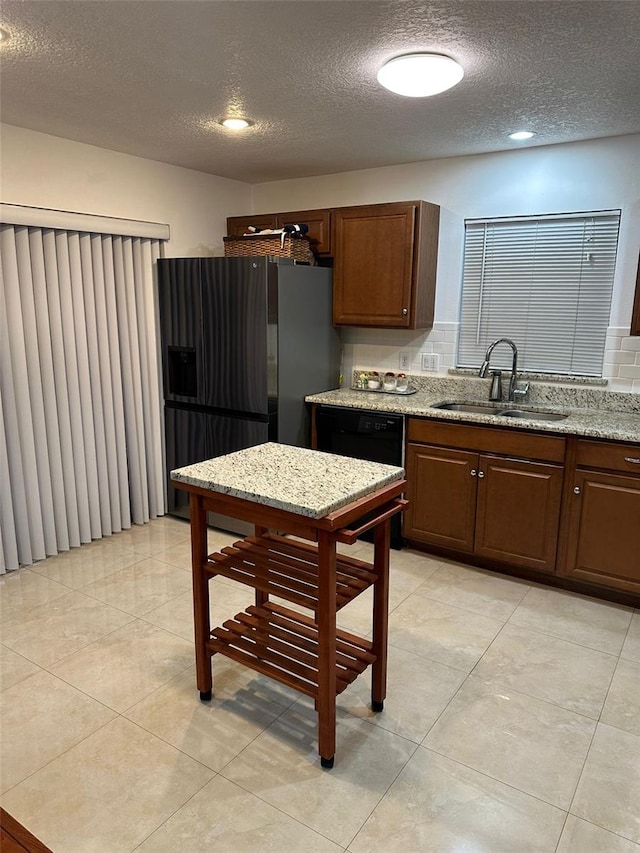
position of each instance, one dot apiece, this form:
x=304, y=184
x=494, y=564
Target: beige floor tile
x=14, y=668
x=52, y=631
x=89, y=563
x=569, y=675
x=158, y=535
x=127, y=665
x=597, y=624
x=24, y=590
x=421, y=565
x=214, y=732
x=579, y=836
x=480, y=592
x=107, y=793
x=440, y=632
x=532, y=745
x=223, y=818
x=436, y=804
x=224, y=602
x=281, y=766
x=609, y=789
x=418, y=690
x=141, y=587
x=357, y=616
x=622, y=708
x=631, y=647
x=41, y=718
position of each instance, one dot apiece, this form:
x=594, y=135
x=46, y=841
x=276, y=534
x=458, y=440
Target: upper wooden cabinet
x=635, y=316
x=237, y=225
x=319, y=222
x=385, y=264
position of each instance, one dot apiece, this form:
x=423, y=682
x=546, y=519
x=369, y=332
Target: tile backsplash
x=622, y=360
x=379, y=349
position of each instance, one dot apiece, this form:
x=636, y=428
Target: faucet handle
x=521, y=392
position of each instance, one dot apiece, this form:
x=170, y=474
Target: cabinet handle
x=633, y=459
x=480, y=474
x=473, y=472
x=576, y=490
x=405, y=311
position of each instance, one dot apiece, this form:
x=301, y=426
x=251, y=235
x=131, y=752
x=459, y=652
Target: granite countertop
x=306, y=482
x=584, y=421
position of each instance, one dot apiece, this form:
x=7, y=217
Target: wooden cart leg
x=201, y=621
x=382, y=538
x=261, y=597
x=326, y=701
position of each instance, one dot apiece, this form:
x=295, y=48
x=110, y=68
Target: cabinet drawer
x=614, y=457
x=519, y=443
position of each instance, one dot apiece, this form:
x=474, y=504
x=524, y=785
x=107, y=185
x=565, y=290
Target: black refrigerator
x=243, y=341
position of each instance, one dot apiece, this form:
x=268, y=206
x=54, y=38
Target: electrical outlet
x=430, y=361
x=403, y=361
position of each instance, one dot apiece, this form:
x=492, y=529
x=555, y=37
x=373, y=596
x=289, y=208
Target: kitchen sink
x=534, y=416
x=475, y=408
x=489, y=409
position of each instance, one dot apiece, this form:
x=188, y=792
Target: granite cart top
x=306, y=482
x=588, y=418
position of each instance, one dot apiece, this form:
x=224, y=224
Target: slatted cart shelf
x=280, y=566
x=283, y=644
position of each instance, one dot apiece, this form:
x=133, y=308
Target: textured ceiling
x=147, y=78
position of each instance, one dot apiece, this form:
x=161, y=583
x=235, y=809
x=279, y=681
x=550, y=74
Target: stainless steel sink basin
x=474, y=408
x=489, y=409
x=534, y=416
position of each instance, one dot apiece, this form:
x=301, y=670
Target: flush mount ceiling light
x=521, y=135
x=235, y=123
x=418, y=75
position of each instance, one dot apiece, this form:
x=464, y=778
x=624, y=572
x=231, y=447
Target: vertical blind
x=546, y=283
x=80, y=403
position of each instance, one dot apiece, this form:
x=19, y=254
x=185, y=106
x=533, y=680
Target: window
x=546, y=283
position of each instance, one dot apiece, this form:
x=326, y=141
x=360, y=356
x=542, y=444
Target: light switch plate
x=430, y=361
x=403, y=361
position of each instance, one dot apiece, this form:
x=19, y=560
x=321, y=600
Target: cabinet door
x=237, y=225
x=319, y=227
x=442, y=496
x=373, y=247
x=604, y=530
x=518, y=511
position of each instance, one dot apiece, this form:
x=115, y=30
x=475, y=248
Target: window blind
x=546, y=283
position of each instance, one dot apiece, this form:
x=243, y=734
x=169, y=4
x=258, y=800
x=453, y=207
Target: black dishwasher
x=362, y=434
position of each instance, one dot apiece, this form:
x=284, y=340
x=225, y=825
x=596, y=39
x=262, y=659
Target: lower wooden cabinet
x=495, y=507
x=603, y=516
x=442, y=496
x=506, y=496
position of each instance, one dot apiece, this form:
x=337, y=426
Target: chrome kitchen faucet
x=496, y=387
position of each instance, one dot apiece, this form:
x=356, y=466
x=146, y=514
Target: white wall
x=593, y=175
x=47, y=171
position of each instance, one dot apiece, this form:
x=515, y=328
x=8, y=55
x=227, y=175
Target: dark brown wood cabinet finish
x=319, y=222
x=603, y=516
x=442, y=496
x=635, y=316
x=518, y=511
x=476, y=501
x=385, y=259
x=237, y=225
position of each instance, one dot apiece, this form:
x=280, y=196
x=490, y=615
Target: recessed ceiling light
x=519, y=135
x=235, y=123
x=418, y=75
